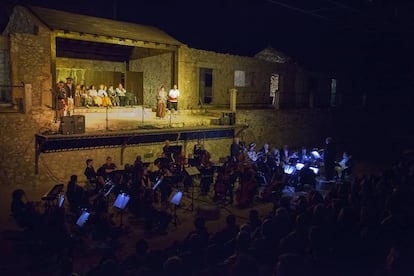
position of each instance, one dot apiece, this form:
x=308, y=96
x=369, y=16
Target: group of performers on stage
x=68, y=96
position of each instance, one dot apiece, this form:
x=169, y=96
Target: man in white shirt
x=173, y=98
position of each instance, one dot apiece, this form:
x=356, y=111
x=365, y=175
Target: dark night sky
x=342, y=35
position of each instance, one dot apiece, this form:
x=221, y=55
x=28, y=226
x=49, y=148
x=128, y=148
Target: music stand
x=175, y=199
x=299, y=166
x=316, y=154
x=315, y=170
x=192, y=171
x=121, y=202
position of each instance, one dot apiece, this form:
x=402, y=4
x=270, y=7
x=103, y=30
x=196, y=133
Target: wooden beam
x=114, y=40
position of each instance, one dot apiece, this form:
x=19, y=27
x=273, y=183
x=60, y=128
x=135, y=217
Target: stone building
x=40, y=47
x=46, y=46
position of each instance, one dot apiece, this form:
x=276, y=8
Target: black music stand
x=121, y=202
x=175, y=199
x=192, y=171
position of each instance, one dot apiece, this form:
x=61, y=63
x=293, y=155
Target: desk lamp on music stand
x=121, y=202
x=176, y=200
x=192, y=171
x=83, y=218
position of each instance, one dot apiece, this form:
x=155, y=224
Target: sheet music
x=121, y=201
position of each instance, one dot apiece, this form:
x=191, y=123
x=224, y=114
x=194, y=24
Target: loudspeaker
x=79, y=123
x=67, y=125
x=225, y=121
x=229, y=118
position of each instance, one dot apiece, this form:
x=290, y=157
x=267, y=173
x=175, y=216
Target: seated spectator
x=24, y=212
x=201, y=230
x=174, y=266
x=254, y=221
x=229, y=232
x=137, y=259
x=290, y=265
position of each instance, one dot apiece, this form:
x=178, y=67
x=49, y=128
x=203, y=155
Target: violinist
x=252, y=153
x=285, y=154
x=264, y=151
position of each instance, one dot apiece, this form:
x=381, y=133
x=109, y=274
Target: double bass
x=279, y=179
x=247, y=186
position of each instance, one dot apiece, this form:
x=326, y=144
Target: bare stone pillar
x=27, y=102
x=233, y=99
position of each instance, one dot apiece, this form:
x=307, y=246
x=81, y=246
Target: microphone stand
x=106, y=119
x=142, y=118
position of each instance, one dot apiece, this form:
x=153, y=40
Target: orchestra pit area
x=258, y=214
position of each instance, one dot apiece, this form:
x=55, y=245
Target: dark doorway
x=134, y=85
x=206, y=86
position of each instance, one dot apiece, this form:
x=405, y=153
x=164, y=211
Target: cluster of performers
x=68, y=96
x=241, y=177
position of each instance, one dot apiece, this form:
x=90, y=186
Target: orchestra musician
x=235, y=148
x=107, y=168
x=285, y=154
x=248, y=185
x=278, y=181
x=329, y=155
x=265, y=150
x=344, y=166
x=167, y=150
x=225, y=180
x=251, y=153
x=198, y=153
x=303, y=155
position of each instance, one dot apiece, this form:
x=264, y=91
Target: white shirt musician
x=252, y=154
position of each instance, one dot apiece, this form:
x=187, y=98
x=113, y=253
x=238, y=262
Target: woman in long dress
x=161, y=102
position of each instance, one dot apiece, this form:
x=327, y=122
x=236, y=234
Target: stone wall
x=30, y=63
x=78, y=69
x=157, y=71
x=297, y=128
x=223, y=66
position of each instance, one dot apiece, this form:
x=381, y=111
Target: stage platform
x=125, y=126
x=139, y=117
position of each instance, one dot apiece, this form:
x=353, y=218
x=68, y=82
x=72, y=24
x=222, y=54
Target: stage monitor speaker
x=229, y=118
x=79, y=124
x=67, y=125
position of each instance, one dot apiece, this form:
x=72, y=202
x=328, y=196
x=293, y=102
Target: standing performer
x=60, y=100
x=173, y=99
x=161, y=102
x=329, y=155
